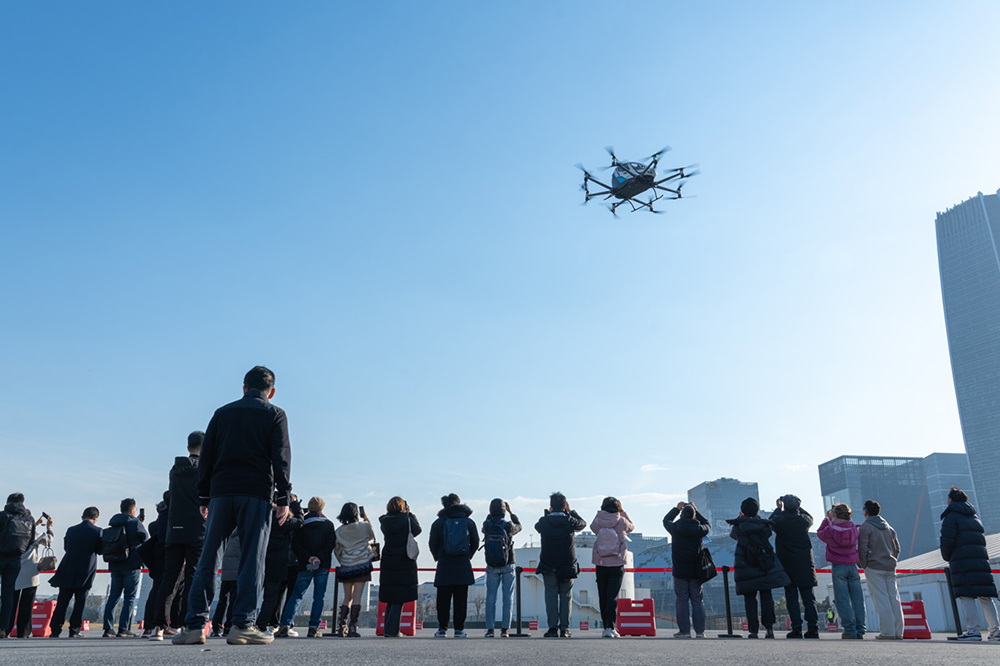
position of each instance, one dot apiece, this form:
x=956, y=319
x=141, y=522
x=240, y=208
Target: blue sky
x=381, y=205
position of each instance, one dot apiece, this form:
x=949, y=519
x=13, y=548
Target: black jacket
x=79, y=563
x=792, y=543
x=686, y=537
x=185, y=522
x=557, y=530
x=453, y=569
x=963, y=547
x=16, y=512
x=398, y=573
x=279, y=547
x=246, y=452
x=316, y=538
x=756, y=566
x=513, y=527
x=150, y=551
x=135, y=534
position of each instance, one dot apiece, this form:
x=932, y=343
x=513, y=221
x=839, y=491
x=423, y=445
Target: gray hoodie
x=878, y=547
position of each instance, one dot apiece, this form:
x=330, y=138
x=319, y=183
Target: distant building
x=912, y=491
x=969, y=263
x=720, y=500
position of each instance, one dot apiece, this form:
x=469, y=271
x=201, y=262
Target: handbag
x=48, y=561
x=412, y=549
x=376, y=551
x=706, y=566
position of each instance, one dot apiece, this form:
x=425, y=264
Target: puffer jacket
x=618, y=523
x=841, y=539
x=878, y=546
x=792, y=543
x=963, y=546
x=755, y=563
x=354, y=544
x=185, y=524
x=557, y=530
x=28, y=576
x=453, y=569
x=686, y=542
x=135, y=535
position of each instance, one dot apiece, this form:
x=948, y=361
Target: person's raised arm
x=281, y=458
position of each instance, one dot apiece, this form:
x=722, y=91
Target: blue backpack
x=496, y=543
x=456, y=536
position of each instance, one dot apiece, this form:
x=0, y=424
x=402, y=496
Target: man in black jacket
x=557, y=562
x=75, y=575
x=313, y=545
x=245, y=461
x=794, y=548
x=17, y=533
x=686, y=537
x=125, y=565
x=184, y=534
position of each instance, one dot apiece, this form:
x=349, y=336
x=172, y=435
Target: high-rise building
x=912, y=492
x=720, y=500
x=968, y=239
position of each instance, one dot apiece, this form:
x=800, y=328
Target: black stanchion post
x=729, y=609
x=954, y=604
x=517, y=588
x=336, y=609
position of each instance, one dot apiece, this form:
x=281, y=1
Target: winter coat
x=28, y=576
x=16, y=511
x=76, y=570
x=453, y=569
x=317, y=538
x=513, y=527
x=231, y=558
x=963, y=547
x=279, y=547
x=686, y=538
x=185, y=524
x=792, y=543
x=354, y=544
x=135, y=535
x=841, y=539
x=397, y=572
x=618, y=523
x=755, y=564
x=878, y=546
x=557, y=530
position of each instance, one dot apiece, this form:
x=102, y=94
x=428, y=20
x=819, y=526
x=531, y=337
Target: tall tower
x=968, y=258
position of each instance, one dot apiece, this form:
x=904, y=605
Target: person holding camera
x=355, y=551
x=313, y=546
x=557, y=562
x=121, y=540
x=791, y=524
x=498, y=545
x=610, y=525
x=27, y=581
x=17, y=533
x=757, y=568
x=453, y=540
x=686, y=536
x=841, y=538
x=398, y=575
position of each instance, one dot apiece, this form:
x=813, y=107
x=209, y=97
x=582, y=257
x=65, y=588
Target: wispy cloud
x=653, y=467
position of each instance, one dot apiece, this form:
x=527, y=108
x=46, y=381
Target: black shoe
x=109, y=634
x=565, y=633
x=504, y=633
x=551, y=633
x=752, y=636
x=812, y=633
x=769, y=632
x=794, y=633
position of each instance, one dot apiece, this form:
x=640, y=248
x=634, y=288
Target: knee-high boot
x=352, y=631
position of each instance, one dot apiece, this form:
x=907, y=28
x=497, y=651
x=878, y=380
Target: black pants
x=179, y=564
x=445, y=595
x=79, y=598
x=24, y=602
x=286, y=589
x=223, y=618
x=766, y=610
x=609, y=584
x=149, y=612
x=392, y=615
x=10, y=567
x=792, y=594
x=271, y=604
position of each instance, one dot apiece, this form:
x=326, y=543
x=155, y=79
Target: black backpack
x=456, y=536
x=114, y=544
x=496, y=543
x=16, y=536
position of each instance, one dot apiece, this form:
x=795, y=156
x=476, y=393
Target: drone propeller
x=693, y=173
x=614, y=158
x=583, y=169
x=612, y=209
x=657, y=154
x=655, y=212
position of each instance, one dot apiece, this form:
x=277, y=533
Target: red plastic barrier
x=533, y=625
x=636, y=618
x=584, y=625
x=407, y=619
x=915, y=620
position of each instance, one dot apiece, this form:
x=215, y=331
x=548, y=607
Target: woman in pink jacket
x=611, y=524
x=841, y=538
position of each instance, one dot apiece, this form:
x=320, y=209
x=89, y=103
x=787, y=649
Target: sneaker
x=313, y=633
x=752, y=636
x=461, y=634
x=505, y=633
x=441, y=633
x=281, y=633
x=551, y=633
x=189, y=637
x=615, y=634
x=156, y=635
x=880, y=637
x=170, y=632
x=291, y=633
x=769, y=632
x=994, y=636
x=607, y=634
x=794, y=633
x=970, y=637
x=250, y=635
x=215, y=634
x=109, y=634
x=812, y=633
x=489, y=634
x=681, y=634
x=127, y=634
x=849, y=636
x=701, y=635
x=565, y=633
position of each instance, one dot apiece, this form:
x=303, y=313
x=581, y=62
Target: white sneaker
x=156, y=635
x=291, y=632
x=607, y=634
x=970, y=636
x=681, y=634
x=994, y=636
x=615, y=634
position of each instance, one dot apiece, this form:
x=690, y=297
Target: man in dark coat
x=453, y=551
x=963, y=547
x=791, y=524
x=279, y=550
x=17, y=535
x=126, y=574
x=244, y=467
x=183, y=536
x=152, y=554
x=757, y=569
x=557, y=562
x=398, y=575
x=686, y=536
x=75, y=573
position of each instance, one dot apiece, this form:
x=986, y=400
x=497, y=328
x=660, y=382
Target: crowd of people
x=229, y=504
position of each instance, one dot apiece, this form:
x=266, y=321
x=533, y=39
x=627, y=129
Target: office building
x=720, y=500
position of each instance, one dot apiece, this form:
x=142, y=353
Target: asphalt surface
x=582, y=650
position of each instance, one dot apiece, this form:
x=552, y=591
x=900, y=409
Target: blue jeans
x=126, y=582
x=850, y=599
x=690, y=605
x=319, y=579
x=251, y=518
x=495, y=577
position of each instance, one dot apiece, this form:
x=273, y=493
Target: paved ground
x=580, y=651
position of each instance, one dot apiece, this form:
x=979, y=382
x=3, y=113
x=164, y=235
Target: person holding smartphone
x=355, y=553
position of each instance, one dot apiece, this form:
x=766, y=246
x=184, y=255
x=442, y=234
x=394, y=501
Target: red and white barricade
x=407, y=619
x=533, y=625
x=635, y=618
x=915, y=620
x=832, y=627
x=584, y=625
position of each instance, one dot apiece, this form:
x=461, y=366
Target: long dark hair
x=349, y=514
x=611, y=505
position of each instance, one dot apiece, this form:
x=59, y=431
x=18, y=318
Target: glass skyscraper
x=968, y=258
x=720, y=500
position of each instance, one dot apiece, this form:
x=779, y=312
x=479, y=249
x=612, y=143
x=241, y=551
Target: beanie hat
x=791, y=502
x=687, y=512
x=749, y=507
x=496, y=507
x=316, y=505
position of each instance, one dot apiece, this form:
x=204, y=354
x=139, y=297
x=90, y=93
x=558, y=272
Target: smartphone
x=142, y=515
x=46, y=516
x=361, y=510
